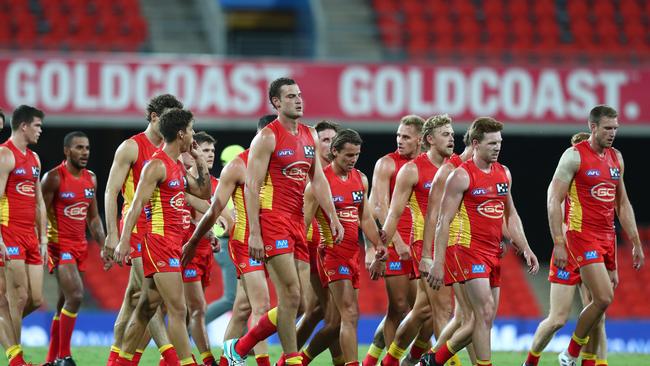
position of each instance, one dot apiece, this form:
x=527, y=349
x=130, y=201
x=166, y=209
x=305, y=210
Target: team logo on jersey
x=502, y=189
x=479, y=191
x=357, y=196
x=174, y=183
x=26, y=188
x=13, y=251
x=562, y=274
x=344, y=270
x=297, y=171
x=605, y=192
x=77, y=211
x=253, y=263
x=67, y=195
x=592, y=254
x=337, y=199
x=478, y=268
x=427, y=185
x=36, y=171
x=89, y=192
x=492, y=209
x=190, y=273
x=310, y=152
x=178, y=201
x=282, y=244
x=348, y=214
x=615, y=173
x=66, y=256
x=285, y=152
x=593, y=173
x=20, y=171
x=394, y=266
x=174, y=262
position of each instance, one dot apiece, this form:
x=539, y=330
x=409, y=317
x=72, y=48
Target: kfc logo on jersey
x=297, y=171
x=89, y=192
x=478, y=268
x=178, y=201
x=337, y=199
x=593, y=173
x=65, y=195
x=344, y=270
x=562, y=274
x=357, y=196
x=310, y=152
x=282, y=244
x=395, y=266
x=20, y=171
x=615, y=173
x=13, y=251
x=78, y=211
x=285, y=152
x=492, y=209
x=502, y=189
x=26, y=188
x=479, y=191
x=605, y=192
x=174, y=262
x=348, y=214
x=36, y=171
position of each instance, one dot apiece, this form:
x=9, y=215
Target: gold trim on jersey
x=4, y=210
x=52, y=228
x=241, y=222
x=575, y=209
x=157, y=214
x=266, y=193
x=417, y=218
x=325, y=229
x=465, y=229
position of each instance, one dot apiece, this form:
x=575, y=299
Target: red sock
x=443, y=354
x=532, y=360
x=369, y=360
x=121, y=361
x=574, y=348
x=170, y=356
x=389, y=360
x=136, y=357
x=588, y=362
x=18, y=360
x=263, y=360
x=281, y=360
x=53, y=351
x=262, y=330
x=208, y=360
x=223, y=361
x=292, y=357
x=66, y=327
x=417, y=351
x=112, y=356
x=353, y=363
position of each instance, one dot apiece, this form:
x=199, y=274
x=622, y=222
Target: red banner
x=119, y=86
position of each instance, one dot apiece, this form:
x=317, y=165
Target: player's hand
x=337, y=230
x=194, y=150
x=613, y=277
x=377, y=269
x=531, y=261
x=425, y=267
x=383, y=237
x=436, y=276
x=189, y=250
x=121, y=253
x=560, y=255
x=255, y=247
x=43, y=251
x=107, y=260
x=370, y=256
x=3, y=253
x=110, y=243
x=638, y=258
x=381, y=253
x=504, y=247
x=402, y=250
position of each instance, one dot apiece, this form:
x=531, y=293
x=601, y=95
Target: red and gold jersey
x=454, y=227
x=167, y=214
x=420, y=195
x=289, y=166
x=18, y=203
x=592, y=195
x=145, y=151
x=348, y=197
x=67, y=214
x=204, y=246
x=482, y=208
x=405, y=221
x=239, y=231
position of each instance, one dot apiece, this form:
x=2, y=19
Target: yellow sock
x=296, y=360
x=483, y=362
x=13, y=351
x=126, y=356
x=454, y=361
x=273, y=316
x=69, y=314
x=375, y=351
x=601, y=362
x=536, y=354
x=580, y=341
x=165, y=348
x=115, y=349
x=187, y=361
x=205, y=355
x=395, y=351
x=587, y=356
x=261, y=355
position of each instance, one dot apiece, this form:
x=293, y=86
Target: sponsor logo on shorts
x=502, y=189
x=78, y=211
x=13, y=251
x=20, y=171
x=615, y=173
x=297, y=171
x=174, y=262
x=286, y=152
x=161, y=264
x=592, y=254
x=605, y=192
x=282, y=244
x=492, y=209
x=344, y=270
x=562, y=274
x=253, y=263
x=190, y=273
x=478, y=268
x=26, y=188
x=66, y=256
x=479, y=191
x=36, y=171
x=593, y=173
x=336, y=199
x=67, y=195
x=89, y=192
x=395, y=266
x=310, y=152
x=357, y=196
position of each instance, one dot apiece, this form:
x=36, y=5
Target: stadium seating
x=630, y=295
x=440, y=28
x=73, y=25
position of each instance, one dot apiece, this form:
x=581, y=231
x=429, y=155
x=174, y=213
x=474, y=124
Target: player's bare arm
x=259, y=156
x=7, y=164
x=198, y=204
x=516, y=230
x=94, y=222
x=407, y=177
x=323, y=194
x=125, y=155
x=41, y=215
x=310, y=206
x=433, y=209
x=557, y=191
x=380, y=195
x=372, y=235
x=455, y=187
x=152, y=174
x=199, y=185
x=625, y=214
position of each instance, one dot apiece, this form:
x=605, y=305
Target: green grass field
x=96, y=356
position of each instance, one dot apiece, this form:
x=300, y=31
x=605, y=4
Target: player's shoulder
x=128, y=150
x=386, y=164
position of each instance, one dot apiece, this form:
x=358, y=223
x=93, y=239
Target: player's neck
x=324, y=162
x=595, y=146
x=153, y=136
x=19, y=141
x=483, y=165
x=288, y=123
x=466, y=154
x=72, y=169
x=172, y=150
x=435, y=158
x=340, y=171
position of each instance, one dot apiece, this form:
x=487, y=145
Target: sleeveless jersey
x=284, y=185
x=454, y=227
x=67, y=215
x=420, y=196
x=405, y=221
x=348, y=202
x=592, y=194
x=18, y=204
x=239, y=231
x=145, y=152
x=167, y=214
x=482, y=208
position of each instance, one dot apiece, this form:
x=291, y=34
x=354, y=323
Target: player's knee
x=177, y=309
x=350, y=314
x=36, y=300
x=602, y=301
x=291, y=298
x=399, y=307
x=74, y=299
x=20, y=296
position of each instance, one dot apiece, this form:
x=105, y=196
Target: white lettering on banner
x=114, y=87
x=246, y=98
x=580, y=84
x=449, y=91
x=415, y=95
x=480, y=103
x=354, y=96
x=81, y=94
x=17, y=90
x=182, y=83
x=213, y=92
x=143, y=89
x=55, y=85
x=613, y=81
x=550, y=98
x=389, y=91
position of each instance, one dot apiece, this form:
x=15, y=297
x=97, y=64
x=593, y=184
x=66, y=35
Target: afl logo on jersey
x=78, y=211
x=285, y=152
x=336, y=199
x=605, y=192
x=67, y=195
x=297, y=171
x=26, y=188
x=492, y=209
x=20, y=171
x=479, y=191
x=174, y=183
x=593, y=173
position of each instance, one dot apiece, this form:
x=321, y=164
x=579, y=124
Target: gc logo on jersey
x=357, y=196
x=77, y=211
x=26, y=188
x=478, y=268
x=615, y=173
x=492, y=209
x=502, y=189
x=344, y=270
x=297, y=171
x=89, y=192
x=310, y=152
x=605, y=192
